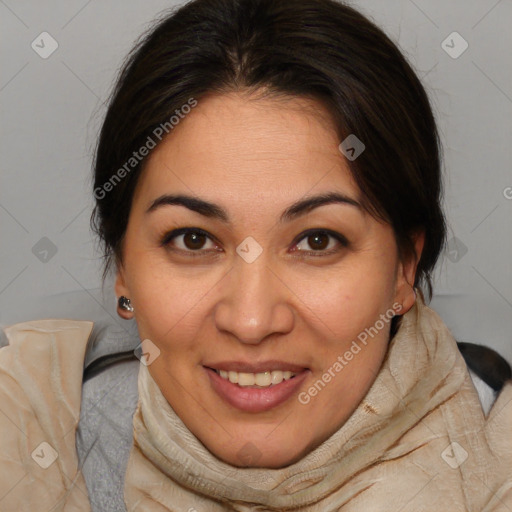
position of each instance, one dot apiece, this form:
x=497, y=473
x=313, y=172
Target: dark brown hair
x=320, y=49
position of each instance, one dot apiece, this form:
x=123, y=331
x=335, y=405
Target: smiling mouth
x=256, y=392
x=256, y=380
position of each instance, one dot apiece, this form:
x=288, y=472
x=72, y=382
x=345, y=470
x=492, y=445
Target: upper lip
x=259, y=367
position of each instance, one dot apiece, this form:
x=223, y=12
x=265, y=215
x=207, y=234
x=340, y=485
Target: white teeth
x=263, y=380
x=246, y=379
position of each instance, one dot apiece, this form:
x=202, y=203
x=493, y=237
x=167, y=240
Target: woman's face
x=264, y=283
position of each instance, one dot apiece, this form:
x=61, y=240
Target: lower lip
x=255, y=399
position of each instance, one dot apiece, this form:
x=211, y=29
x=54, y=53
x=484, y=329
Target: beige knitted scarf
x=417, y=442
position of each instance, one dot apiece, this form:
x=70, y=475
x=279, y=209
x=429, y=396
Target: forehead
x=234, y=147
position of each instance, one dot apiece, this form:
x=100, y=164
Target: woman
x=268, y=193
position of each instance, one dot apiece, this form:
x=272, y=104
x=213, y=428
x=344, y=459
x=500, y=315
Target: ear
x=406, y=274
x=121, y=289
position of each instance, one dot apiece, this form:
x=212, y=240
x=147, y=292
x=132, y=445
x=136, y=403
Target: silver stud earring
x=125, y=304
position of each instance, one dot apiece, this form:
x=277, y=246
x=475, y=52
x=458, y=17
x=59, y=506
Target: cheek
x=166, y=300
x=355, y=319
x=352, y=298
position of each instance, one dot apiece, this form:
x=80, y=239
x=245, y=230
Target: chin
x=251, y=455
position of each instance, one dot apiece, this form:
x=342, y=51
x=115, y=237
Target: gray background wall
x=51, y=110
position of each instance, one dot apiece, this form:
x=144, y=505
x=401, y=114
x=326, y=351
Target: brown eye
x=319, y=241
x=193, y=240
x=188, y=240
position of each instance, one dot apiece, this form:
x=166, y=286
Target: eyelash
x=168, y=237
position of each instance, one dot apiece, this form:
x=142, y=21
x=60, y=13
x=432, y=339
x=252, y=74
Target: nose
x=254, y=302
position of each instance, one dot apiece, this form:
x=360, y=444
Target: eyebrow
x=215, y=211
